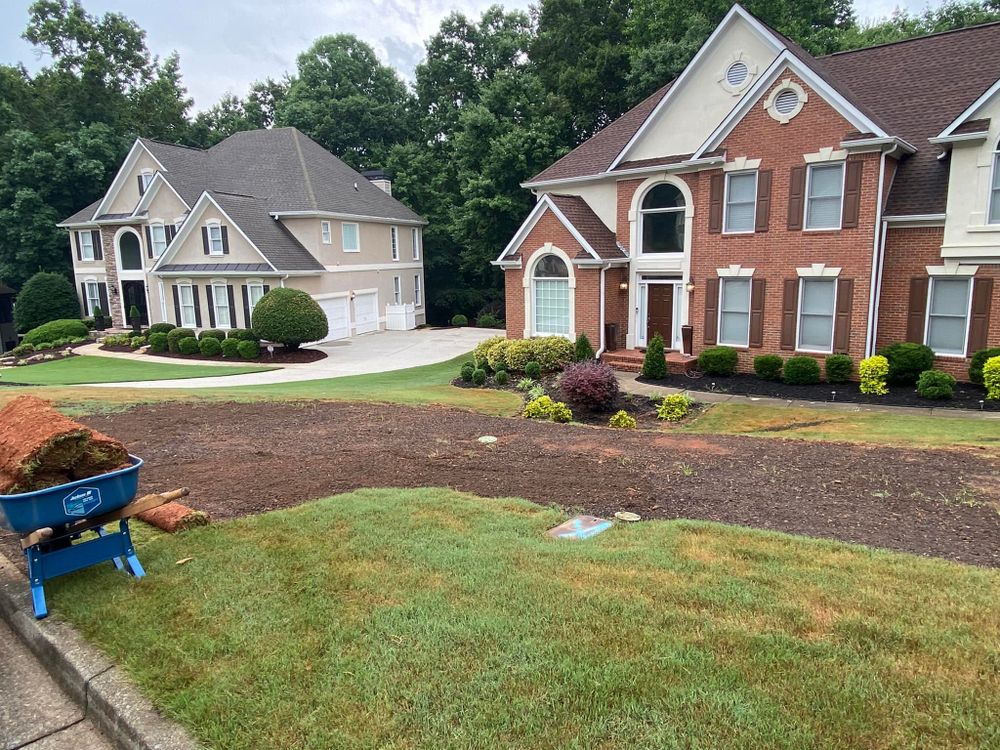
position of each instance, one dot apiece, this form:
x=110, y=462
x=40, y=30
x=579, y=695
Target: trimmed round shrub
x=242, y=334
x=212, y=333
x=231, y=348
x=466, y=372
x=538, y=407
x=935, y=384
x=768, y=366
x=592, y=384
x=533, y=370
x=801, y=371
x=157, y=341
x=209, y=346
x=622, y=420
x=290, y=317
x=501, y=378
x=160, y=328
x=674, y=408
x=719, y=360
x=560, y=412
x=56, y=329
x=654, y=364
x=459, y=320
x=873, y=372
x=978, y=360
x=489, y=320
x=907, y=361
x=839, y=368
x=188, y=345
x=582, y=350
x=479, y=376
x=248, y=349
x=43, y=298
x=174, y=338
x=550, y=352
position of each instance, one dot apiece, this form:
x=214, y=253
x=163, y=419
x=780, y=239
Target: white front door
x=338, y=316
x=366, y=312
x=642, y=313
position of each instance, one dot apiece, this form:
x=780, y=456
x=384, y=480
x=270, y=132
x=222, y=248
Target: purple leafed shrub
x=589, y=384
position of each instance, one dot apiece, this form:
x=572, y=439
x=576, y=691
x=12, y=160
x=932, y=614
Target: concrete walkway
x=362, y=355
x=35, y=714
x=630, y=384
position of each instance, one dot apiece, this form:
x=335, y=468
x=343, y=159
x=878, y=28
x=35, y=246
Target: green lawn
x=431, y=619
x=84, y=369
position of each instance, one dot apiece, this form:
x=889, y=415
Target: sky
x=225, y=45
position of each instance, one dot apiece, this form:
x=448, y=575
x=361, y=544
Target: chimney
x=380, y=178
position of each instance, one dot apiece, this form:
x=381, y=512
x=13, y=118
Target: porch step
x=630, y=360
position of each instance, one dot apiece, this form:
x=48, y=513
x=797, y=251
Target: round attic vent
x=737, y=74
x=786, y=102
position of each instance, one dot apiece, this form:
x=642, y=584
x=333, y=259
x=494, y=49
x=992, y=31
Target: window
x=324, y=230
x=397, y=290
x=352, y=243
x=146, y=178
x=817, y=303
x=415, y=242
x=93, y=300
x=737, y=74
x=824, y=196
x=129, y=252
x=86, y=241
x=948, y=315
x=994, y=213
x=215, y=244
x=394, y=242
x=220, y=301
x=550, y=281
x=159, y=235
x=185, y=294
x=734, y=312
x=255, y=291
x=418, y=298
x=741, y=201
x=662, y=216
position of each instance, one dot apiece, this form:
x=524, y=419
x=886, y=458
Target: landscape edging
x=125, y=717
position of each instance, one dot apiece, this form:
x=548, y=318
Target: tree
x=44, y=298
x=290, y=317
x=233, y=114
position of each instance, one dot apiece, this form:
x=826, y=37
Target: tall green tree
x=231, y=114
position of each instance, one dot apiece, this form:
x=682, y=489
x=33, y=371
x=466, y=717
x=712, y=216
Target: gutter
x=600, y=349
x=878, y=252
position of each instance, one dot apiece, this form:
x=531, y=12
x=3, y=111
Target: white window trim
x=418, y=292
x=343, y=238
x=725, y=202
x=734, y=270
x=527, y=283
x=325, y=233
x=722, y=285
x=397, y=290
x=642, y=212
x=253, y=284
x=213, y=224
x=181, y=285
x=415, y=242
x=394, y=242
x=83, y=254
x=738, y=56
x=993, y=197
x=147, y=177
x=968, y=314
x=818, y=271
x=217, y=284
x=153, y=225
x=805, y=202
x=798, y=314
x=96, y=299
x=178, y=221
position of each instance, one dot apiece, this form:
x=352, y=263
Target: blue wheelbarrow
x=52, y=523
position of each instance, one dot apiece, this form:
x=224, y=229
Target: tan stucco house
x=196, y=237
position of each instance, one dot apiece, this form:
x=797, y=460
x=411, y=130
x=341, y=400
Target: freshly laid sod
x=84, y=369
x=427, y=618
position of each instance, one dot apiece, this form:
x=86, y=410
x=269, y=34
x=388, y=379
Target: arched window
x=129, y=252
x=994, y=212
x=550, y=296
x=662, y=216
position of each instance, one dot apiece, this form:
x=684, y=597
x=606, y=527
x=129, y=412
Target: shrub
x=188, y=345
x=674, y=408
x=590, y=384
x=43, y=298
x=160, y=328
x=622, y=420
x=935, y=384
x=212, y=333
x=535, y=392
x=117, y=339
x=479, y=376
x=538, y=407
x=719, y=360
x=56, y=329
x=839, y=368
x=41, y=346
x=496, y=355
x=550, y=352
x=157, y=341
x=560, y=412
x=502, y=378
x=768, y=366
x=907, y=361
x=991, y=378
x=89, y=322
x=654, y=364
x=100, y=321
x=210, y=346
x=978, y=360
x=242, y=334
x=174, y=337
x=482, y=351
x=248, y=349
x=459, y=320
x=525, y=384
x=135, y=318
x=801, y=371
x=466, y=372
x=230, y=348
x=873, y=372
x=23, y=350
x=582, y=350
x=489, y=320
x=290, y=317
x=137, y=342
x=533, y=370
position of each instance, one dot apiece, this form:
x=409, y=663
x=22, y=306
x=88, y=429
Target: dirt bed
x=240, y=459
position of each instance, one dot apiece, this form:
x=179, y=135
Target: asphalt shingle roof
x=579, y=213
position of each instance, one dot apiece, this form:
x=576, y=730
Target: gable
x=123, y=194
x=161, y=202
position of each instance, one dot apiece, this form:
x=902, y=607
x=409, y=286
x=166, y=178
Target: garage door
x=366, y=312
x=338, y=315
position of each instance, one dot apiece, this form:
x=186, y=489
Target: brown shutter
x=917, y=311
x=204, y=239
x=102, y=293
x=142, y=188
x=210, y=298
x=757, y=288
x=796, y=197
x=83, y=298
x=715, y=198
x=789, y=312
x=842, y=320
x=95, y=238
x=763, y=216
x=979, y=326
x=171, y=232
x=852, y=195
x=711, y=310
x=225, y=240
x=177, y=306
x=149, y=241
x=232, y=308
x=197, y=306
x=74, y=239
x=246, y=306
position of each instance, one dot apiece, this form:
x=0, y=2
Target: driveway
x=374, y=352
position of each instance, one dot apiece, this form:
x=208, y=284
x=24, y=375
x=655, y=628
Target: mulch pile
x=39, y=448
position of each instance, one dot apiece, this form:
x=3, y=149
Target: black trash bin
x=610, y=337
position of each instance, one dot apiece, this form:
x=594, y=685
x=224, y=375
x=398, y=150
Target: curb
x=103, y=691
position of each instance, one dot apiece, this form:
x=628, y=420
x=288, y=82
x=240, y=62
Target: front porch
x=630, y=360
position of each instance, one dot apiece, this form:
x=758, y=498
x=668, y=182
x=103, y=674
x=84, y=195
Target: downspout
x=878, y=248
x=282, y=280
x=600, y=349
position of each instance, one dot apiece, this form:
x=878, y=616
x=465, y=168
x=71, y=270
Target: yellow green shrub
x=873, y=372
x=991, y=378
x=538, y=408
x=560, y=412
x=481, y=352
x=622, y=420
x=674, y=408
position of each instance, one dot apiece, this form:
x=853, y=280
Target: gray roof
x=84, y=214
x=271, y=236
x=216, y=268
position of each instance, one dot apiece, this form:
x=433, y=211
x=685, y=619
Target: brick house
x=779, y=203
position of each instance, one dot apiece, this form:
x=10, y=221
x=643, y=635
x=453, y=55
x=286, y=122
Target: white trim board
x=152, y=189
x=970, y=110
x=123, y=170
x=529, y=223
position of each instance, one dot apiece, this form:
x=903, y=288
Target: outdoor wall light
x=623, y=286
x=689, y=287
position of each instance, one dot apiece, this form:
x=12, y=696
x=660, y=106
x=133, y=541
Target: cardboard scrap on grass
x=580, y=527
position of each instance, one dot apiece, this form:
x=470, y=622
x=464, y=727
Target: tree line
x=495, y=100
